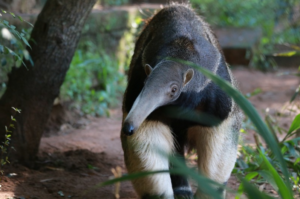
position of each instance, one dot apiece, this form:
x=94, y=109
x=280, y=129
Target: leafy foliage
x=256, y=13
x=250, y=163
x=12, y=52
x=252, y=160
x=18, y=39
x=93, y=81
x=5, y=146
x=13, y=47
x=275, y=17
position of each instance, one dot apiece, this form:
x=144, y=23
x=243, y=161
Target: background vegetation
x=102, y=74
x=12, y=47
x=275, y=18
x=93, y=81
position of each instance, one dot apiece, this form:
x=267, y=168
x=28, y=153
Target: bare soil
x=80, y=154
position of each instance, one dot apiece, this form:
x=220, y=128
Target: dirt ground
x=80, y=155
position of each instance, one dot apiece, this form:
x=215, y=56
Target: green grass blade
x=206, y=184
x=295, y=124
x=252, y=192
x=267, y=175
x=282, y=187
x=248, y=177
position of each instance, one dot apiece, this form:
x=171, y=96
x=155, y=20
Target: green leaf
x=20, y=18
x=6, y=50
x=291, y=148
x=295, y=124
x=3, y=62
x=269, y=178
x=296, y=161
x=284, y=190
x=252, y=192
x=12, y=14
x=7, y=160
x=248, y=177
x=17, y=57
x=295, y=140
x=25, y=41
x=26, y=54
x=12, y=118
x=253, y=93
x=3, y=11
x=16, y=109
x=287, y=54
x=12, y=27
x=295, y=95
x=5, y=22
x=29, y=23
x=251, y=175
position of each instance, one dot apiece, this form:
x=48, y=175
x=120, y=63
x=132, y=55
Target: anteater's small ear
x=148, y=69
x=188, y=75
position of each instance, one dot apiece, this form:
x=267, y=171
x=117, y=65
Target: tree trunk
x=53, y=40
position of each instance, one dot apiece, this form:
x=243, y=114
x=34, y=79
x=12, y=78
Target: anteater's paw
x=183, y=193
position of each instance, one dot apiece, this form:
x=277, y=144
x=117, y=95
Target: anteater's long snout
x=143, y=106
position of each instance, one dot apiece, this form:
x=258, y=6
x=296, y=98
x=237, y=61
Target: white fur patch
x=143, y=153
x=216, y=151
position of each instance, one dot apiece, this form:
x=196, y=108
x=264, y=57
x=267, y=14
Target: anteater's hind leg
x=217, y=151
x=181, y=187
x=146, y=150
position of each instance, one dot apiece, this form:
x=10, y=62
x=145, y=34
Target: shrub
x=93, y=81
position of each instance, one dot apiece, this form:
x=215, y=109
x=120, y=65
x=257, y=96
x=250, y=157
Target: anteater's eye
x=174, y=89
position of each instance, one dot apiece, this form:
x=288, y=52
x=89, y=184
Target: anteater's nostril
x=128, y=129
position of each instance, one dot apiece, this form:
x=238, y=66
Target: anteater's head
x=163, y=85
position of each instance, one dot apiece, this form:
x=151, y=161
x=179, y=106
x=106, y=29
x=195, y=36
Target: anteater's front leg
x=217, y=151
x=146, y=150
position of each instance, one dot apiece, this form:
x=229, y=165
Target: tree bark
x=53, y=40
